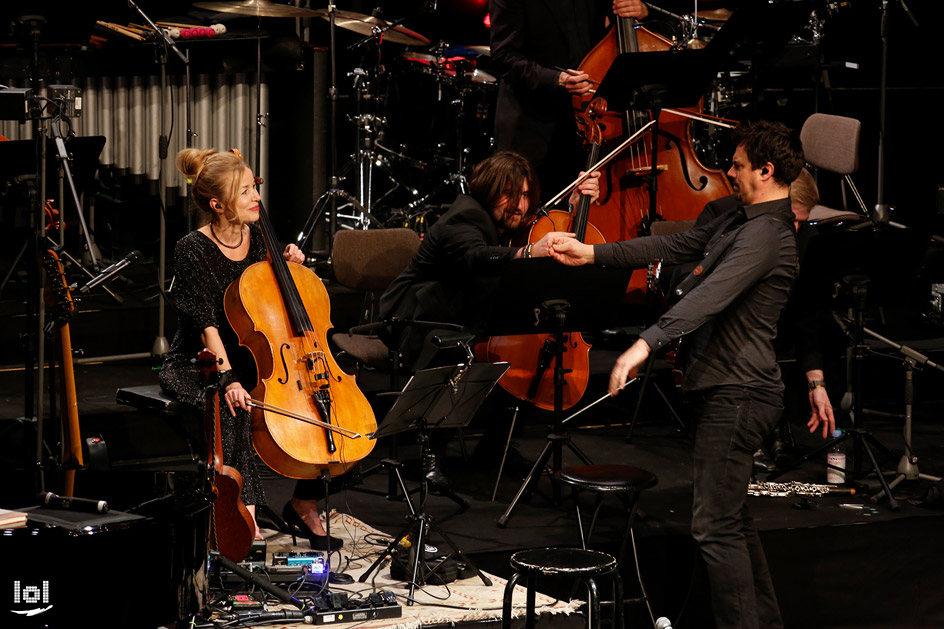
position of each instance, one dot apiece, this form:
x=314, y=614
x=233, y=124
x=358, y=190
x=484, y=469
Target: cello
x=307, y=414
x=624, y=209
x=530, y=355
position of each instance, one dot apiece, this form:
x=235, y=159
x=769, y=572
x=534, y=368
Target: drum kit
x=418, y=121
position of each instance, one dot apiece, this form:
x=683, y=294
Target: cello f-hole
x=284, y=364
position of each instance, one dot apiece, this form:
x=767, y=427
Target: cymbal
x=468, y=51
x=716, y=15
x=258, y=8
x=479, y=76
x=365, y=24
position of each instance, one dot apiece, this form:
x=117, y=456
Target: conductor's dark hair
x=772, y=142
x=504, y=173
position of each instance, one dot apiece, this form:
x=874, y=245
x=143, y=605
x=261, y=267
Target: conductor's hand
x=627, y=365
x=571, y=251
x=293, y=254
x=822, y=412
x=630, y=8
x=542, y=248
x=574, y=81
x=237, y=397
x=588, y=187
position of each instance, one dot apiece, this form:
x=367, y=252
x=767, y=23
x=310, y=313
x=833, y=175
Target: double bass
x=307, y=413
x=683, y=184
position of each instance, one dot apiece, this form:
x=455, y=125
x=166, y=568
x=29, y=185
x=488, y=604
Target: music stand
x=540, y=296
x=445, y=397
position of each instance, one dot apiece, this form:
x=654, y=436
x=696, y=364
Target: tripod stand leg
x=892, y=503
x=532, y=476
x=806, y=457
x=458, y=553
x=579, y=453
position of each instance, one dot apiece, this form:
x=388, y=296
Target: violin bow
x=600, y=164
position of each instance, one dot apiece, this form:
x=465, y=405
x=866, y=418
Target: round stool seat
x=607, y=477
x=564, y=561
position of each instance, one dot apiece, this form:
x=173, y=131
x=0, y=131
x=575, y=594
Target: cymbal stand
x=908, y=465
x=457, y=178
x=329, y=200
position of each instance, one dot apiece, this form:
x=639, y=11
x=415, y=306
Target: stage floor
x=832, y=567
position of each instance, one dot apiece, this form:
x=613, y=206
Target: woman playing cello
x=206, y=262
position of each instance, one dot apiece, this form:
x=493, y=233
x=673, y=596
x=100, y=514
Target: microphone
x=50, y=499
x=111, y=271
x=663, y=623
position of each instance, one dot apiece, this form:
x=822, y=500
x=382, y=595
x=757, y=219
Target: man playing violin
x=537, y=44
x=728, y=311
x=461, y=259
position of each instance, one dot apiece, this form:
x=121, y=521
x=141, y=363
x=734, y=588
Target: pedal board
x=336, y=607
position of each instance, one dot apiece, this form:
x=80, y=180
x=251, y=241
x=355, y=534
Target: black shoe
x=297, y=526
x=763, y=463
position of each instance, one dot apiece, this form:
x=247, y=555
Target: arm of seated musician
x=236, y=396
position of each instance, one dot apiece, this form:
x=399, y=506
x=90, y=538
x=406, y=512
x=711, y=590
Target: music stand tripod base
x=445, y=397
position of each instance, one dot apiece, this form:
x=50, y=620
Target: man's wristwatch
x=815, y=384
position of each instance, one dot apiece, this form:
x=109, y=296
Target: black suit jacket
x=529, y=38
x=450, y=278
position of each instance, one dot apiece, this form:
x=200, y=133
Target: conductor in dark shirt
x=728, y=312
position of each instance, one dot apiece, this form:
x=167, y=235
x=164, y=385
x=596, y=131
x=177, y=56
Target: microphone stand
x=908, y=465
x=160, y=345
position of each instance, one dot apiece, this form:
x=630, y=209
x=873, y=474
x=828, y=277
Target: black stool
x=627, y=484
x=572, y=562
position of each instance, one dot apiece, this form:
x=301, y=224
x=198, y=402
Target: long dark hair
x=504, y=173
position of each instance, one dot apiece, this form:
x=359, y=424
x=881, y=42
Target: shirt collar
x=777, y=206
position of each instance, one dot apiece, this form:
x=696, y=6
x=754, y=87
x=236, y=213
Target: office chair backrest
x=831, y=142
x=369, y=260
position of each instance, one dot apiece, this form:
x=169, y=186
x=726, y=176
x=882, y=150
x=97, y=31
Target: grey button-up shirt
x=729, y=316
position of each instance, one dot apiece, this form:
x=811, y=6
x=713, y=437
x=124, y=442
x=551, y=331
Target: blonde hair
x=803, y=190
x=212, y=175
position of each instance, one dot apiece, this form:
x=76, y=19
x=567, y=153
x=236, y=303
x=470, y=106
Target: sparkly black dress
x=202, y=275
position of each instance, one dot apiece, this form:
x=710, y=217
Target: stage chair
x=626, y=483
x=831, y=143
x=574, y=563
x=369, y=260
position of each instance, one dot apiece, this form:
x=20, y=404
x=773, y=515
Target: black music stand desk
x=446, y=397
x=544, y=297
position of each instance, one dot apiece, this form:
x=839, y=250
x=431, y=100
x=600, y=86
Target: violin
x=636, y=189
x=530, y=377
x=233, y=526
x=307, y=413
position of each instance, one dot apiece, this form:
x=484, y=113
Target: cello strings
x=298, y=316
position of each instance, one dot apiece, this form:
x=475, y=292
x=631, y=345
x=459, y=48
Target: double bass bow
x=308, y=414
